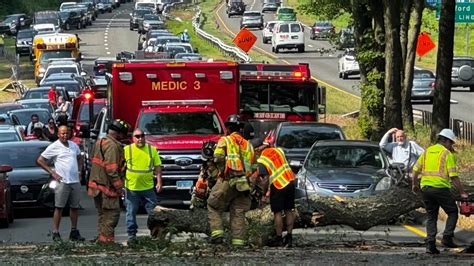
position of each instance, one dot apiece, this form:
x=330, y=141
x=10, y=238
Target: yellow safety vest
x=436, y=166
x=275, y=162
x=239, y=154
x=139, y=174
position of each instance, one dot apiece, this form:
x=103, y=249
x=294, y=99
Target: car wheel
x=430, y=100
x=471, y=88
x=79, y=26
x=11, y=217
x=277, y=50
x=4, y=223
x=344, y=75
x=301, y=49
x=68, y=26
x=340, y=75
x=110, y=10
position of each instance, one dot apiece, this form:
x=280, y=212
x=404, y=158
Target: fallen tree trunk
x=359, y=213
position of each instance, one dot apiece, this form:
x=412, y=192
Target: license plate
x=184, y=184
x=24, y=196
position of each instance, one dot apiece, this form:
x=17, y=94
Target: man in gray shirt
x=403, y=150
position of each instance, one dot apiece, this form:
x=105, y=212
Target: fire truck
x=179, y=105
x=272, y=93
x=53, y=46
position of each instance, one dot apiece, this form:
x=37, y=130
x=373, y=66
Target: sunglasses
x=139, y=136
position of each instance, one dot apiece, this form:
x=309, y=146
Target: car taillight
x=316, y=29
x=432, y=85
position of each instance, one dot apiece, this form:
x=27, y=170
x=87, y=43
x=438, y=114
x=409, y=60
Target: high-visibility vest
x=278, y=169
x=436, y=165
x=128, y=152
x=239, y=154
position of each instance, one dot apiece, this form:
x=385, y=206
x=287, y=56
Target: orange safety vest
x=275, y=162
x=240, y=154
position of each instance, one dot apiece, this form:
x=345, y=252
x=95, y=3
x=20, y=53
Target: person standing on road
x=53, y=95
x=275, y=170
x=437, y=167
x=403, y=150
x=143, y=167
x=105, y=182
x=66, y=156
x=233, y=156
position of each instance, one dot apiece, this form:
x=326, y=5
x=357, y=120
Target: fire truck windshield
x=282, y=97
x=180, y=123
x=46, y=55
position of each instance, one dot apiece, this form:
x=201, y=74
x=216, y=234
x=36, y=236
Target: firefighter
x=437, y=167
x=207, y=176
x=275, y=170
x=233, y=157
x=105, y=183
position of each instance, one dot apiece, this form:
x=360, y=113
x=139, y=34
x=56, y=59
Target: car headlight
x=384, y=184
x=146, y=24
x=41, y=70
x=305, y=183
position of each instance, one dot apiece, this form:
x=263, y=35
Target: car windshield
x=20, y=157
x=25, y=116
x=45, y=105
x=252, y=14
x=423, y=74
x=180, y=48
x=323, y=24
x=46, y=55
x=142, y=12
x=84, y=113
x=25, y=34
x=303, y=137
x=324, y=157
x=285, y=11
x=186, y=123
x=64, y=15
x=151, y=17
x=70, y=87
x=9, y=136
x=147, y=5
x=9, y=19
x=6, y=108
x=60, y=70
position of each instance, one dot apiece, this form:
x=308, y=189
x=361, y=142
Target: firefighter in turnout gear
x=273, y=167
x=233, y=156
x=207, y=176
x=105, y=183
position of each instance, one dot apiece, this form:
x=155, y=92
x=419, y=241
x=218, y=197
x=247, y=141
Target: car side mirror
x=294, y=163
x=5, y=168
x=131, y=14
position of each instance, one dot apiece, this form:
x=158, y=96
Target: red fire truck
x=272, y=93
x=180, y=105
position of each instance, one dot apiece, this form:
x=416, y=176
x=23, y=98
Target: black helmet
x=119, y=126
x=207, y=150
x=233, y=120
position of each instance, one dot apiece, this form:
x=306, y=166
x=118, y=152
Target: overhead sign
x=464, y=11
x=425, y=44
x=245, y=39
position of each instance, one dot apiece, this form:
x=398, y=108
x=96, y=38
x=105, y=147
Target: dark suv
x=13, y=23
x=71, y=18
x=296, y=138
x=235, y=7
x=462, y=73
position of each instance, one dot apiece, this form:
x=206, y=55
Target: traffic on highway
x=111, y=79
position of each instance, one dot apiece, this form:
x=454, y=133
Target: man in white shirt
x=403, y=150
x=66, y=156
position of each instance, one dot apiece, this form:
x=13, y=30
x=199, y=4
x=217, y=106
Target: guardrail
x=463, y=130
x=226, y=49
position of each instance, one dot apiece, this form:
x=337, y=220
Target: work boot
x=275, y=241
x=75, y=236
x=448, y=242
x=217, y=240
x=431, y=248
x=57, y=237
x=132, y=239
x=288, y=241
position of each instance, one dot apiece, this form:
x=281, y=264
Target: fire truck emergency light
x=88, y=95
x=226, y=75
x=177, y=102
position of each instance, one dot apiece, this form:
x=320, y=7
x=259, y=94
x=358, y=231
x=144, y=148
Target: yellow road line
x=417, y=231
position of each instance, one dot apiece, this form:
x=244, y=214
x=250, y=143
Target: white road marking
x=453, y=101
x=251, y=6
x=108, y=52
x=106, y=44
x=309, y=45
x=106, y=48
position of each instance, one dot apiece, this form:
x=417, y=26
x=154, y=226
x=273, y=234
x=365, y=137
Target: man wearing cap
x=274, y=169
x=233, y=156
x=437, y=167
x=143, y=167
x=105, y=182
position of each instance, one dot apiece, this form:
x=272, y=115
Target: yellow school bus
x=53, y=46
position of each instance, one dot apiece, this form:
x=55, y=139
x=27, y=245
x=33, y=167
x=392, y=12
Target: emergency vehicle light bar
x=273, y=75
x=177, y=102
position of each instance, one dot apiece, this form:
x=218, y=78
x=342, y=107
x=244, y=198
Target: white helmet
x=448, y=133
x=185, y=30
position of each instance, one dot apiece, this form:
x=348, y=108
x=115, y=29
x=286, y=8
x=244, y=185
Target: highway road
x=324, y=66
x=110, y=34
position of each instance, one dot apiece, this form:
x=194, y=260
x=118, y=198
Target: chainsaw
x=466, y=205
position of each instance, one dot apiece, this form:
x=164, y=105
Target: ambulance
x=53, y=46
